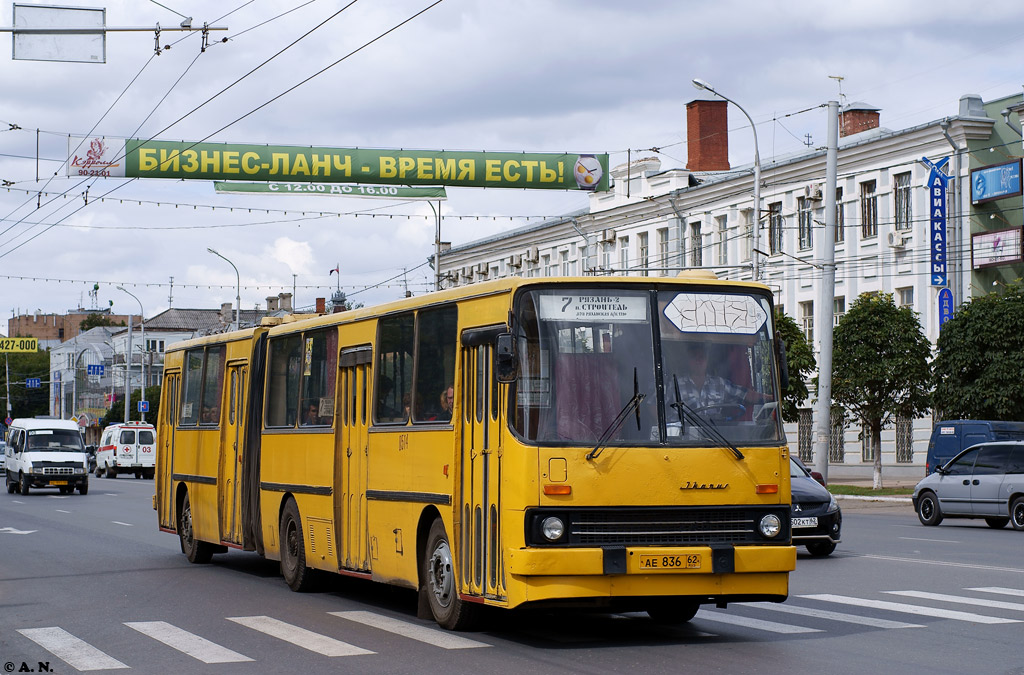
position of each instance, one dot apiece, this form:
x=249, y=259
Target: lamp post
x=142, y=350
x=238, y=289
x=754, y=262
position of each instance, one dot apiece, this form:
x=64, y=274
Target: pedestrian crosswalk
x=808, y=614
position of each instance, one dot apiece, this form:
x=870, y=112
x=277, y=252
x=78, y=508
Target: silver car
x=984, y=481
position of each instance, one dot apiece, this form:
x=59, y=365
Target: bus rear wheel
x=441, y=583
x=673, y=611
x=197, y=552
x=293, y=551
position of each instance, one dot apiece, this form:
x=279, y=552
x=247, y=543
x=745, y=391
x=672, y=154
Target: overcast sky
x=529, y=75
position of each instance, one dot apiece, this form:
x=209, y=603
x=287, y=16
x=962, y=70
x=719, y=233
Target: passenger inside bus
x=702, y=390
x=312, y=416
x=447, y=403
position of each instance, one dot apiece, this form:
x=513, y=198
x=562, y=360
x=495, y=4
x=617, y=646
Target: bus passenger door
x=230, y=456
x=165, y=454
x=351, y=446
x=482, y=566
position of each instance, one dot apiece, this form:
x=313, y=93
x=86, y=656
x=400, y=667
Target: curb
x=865, y=498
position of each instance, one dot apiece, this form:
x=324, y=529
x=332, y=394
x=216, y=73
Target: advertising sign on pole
x=937, y=182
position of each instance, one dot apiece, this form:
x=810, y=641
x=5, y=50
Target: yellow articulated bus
x=586, y=442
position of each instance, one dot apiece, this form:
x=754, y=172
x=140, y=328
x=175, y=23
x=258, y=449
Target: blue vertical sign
x=945, y=306
x=937, y=181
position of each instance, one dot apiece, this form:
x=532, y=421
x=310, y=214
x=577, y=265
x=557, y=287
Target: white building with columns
x=656, y=221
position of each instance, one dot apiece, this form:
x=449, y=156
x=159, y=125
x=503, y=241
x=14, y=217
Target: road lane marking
x=197, y=647
x=994, y=604
x=945, y=563
x=759, y=624
x=431, y=636
x=118, y=522
x=61, y=511
x=938, y=541
x=66, y=647
x=300, y=637
x=834, y=616
x=11, y=530
x=908, y=609
x=999, y=590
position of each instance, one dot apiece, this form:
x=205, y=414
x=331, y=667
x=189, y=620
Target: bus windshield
x=705, y=368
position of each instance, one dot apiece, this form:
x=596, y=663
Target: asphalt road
x=89, y=583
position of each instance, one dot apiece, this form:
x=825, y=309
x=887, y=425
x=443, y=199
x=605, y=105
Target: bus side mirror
x=780, y=356
x=505, y=358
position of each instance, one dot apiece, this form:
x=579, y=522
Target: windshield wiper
x=686, y=413
x=631, y=405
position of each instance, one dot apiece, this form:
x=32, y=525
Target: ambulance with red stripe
x=127, y=448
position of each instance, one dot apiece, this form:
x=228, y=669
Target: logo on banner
x=937, y=182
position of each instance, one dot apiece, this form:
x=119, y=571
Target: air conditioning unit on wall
x=813, y=192
x=532, y=254
x=898, y=239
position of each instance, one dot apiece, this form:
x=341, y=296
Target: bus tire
x=441, y=583
x=83, y=488
x=10, y=485
x=26, y=484
x=197, y=552
x=293, y=550
x=673, y=611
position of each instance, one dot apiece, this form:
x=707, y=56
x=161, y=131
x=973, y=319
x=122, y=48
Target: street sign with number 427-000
x=20, y=344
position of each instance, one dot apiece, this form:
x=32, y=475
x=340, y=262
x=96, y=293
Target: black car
x=816, y=519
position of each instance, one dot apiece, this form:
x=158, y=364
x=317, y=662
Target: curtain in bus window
x=283, y=381
x=191, y=388
x=213, y=379
x=435, y=365
x=394, y=369
x=319, y=365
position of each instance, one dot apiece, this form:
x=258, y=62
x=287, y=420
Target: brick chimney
x=857, y=117
x=707, y=135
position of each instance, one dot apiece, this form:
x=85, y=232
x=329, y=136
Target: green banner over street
x=338, y=190
x=134, y=158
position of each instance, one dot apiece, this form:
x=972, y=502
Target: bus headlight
x=552, y=528
x=770, y=526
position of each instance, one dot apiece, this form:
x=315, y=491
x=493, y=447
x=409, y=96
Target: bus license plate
x=805, y=522
x=58, y=482
x=668, y=563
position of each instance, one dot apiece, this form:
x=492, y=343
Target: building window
x=837, y=439
x=695, y=244
x=867, y=451
x=624, y=255
x=807, y=320
x=904, y=439
x=722, y=232
x=645, y=253
x=838, y=309
x=804, y=220
x=606, y=256
x=905, y=296
x=748, y=234
x=663, y=249
x=546, y=262
x=804, y=430
x=840, y=217
x=901, y=194
x=775, y=228
x=868, y=210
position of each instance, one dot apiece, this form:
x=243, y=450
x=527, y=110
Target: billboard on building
x=995, y=182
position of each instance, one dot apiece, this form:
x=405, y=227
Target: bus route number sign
x=19, y=344
x=668, y=563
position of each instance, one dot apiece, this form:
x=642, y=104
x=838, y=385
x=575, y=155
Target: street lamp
x=238, y=289
x=142, y=366
x=701, y=84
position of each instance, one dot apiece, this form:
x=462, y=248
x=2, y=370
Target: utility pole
x=823, y=407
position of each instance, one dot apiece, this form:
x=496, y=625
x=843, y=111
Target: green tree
x=20, y=366
x=979, y=368
x=116, y=412
x=800, y=363
x=880, y=366
x=97, y=319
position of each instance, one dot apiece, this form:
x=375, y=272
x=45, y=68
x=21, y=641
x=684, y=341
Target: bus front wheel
x=293, y=550
x=441, y=583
